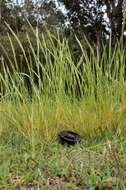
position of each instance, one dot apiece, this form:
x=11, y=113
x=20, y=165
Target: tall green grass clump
x=48, y=92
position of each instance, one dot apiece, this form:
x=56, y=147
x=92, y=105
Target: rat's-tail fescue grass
x=55, y=93
x=48, y=91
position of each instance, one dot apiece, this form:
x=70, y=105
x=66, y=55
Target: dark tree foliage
x=49, y=14
x=82, y=15
x=5, y=13
x=39, y=13
x=86, y=15
x=89, y=16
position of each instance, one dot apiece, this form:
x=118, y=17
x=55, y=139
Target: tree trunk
x=115, y=15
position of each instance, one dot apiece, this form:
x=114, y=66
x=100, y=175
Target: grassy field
x=88, y=97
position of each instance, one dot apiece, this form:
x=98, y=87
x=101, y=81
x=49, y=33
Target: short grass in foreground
x=93, y=164
x=31, y=115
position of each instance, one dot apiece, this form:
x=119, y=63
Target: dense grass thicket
x=49, y=92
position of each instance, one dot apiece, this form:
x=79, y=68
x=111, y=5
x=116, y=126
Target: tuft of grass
x=51, y=93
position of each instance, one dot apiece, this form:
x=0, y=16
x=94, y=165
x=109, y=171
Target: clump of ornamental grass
x=55, y=93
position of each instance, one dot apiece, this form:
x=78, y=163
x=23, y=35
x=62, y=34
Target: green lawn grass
x=30, y=119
